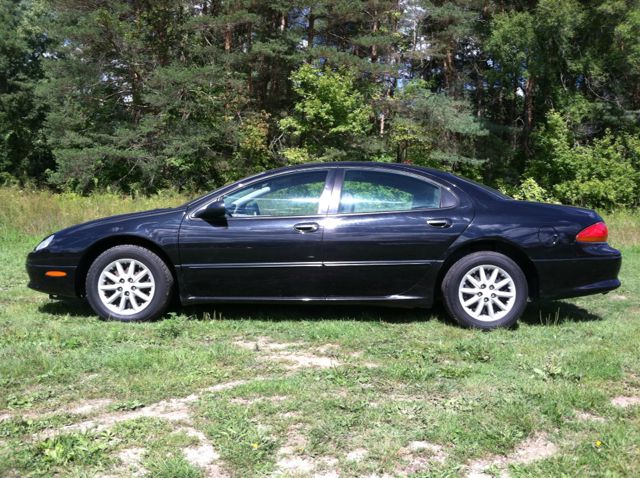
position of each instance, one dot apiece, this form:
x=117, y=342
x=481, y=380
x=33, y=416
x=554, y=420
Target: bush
x=530, y=190
x=604, y=174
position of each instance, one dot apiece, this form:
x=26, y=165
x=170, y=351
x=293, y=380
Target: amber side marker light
x=597, y=232
x=55, y=274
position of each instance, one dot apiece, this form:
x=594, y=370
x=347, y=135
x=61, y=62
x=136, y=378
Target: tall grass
x=624, y=227
x=38, y=212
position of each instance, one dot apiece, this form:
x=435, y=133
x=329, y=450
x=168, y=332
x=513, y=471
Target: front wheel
x=485, y=290
x=129, y=283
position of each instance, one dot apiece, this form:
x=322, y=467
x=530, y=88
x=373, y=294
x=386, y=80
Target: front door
x=269, y=246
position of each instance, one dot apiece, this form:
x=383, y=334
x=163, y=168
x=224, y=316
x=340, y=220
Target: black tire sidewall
x=451, y=283
x=161, y=275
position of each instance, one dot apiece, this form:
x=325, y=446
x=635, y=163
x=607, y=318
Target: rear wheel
x=129, y=283
x=485, y=290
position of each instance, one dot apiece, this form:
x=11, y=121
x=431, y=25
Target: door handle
x=441, y=223
x=305, y=227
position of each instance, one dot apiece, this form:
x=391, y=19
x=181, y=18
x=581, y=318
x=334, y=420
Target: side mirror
x=213, y=212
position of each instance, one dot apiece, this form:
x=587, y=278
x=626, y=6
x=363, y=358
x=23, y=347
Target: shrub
x=530, y=190
x=603, y=174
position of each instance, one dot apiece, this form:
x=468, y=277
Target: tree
x=330, y=118
x=24, y=155
x=139, y=95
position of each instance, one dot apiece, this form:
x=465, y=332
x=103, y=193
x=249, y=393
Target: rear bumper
x=63, y=286
x=565, y=278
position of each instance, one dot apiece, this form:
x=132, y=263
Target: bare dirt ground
x=292, y=458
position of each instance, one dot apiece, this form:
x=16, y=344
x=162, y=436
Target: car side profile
x=357, y=233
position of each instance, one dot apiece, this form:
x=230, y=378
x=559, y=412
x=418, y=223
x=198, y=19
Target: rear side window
x=376, y=191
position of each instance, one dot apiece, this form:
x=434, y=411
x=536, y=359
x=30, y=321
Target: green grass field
x=309, y=391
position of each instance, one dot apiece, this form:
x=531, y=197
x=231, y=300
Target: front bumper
x=63, y=286
x=563, y=278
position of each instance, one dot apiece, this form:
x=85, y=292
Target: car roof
x=449, y=179
x=365, y=164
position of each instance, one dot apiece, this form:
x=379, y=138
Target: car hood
x=121, y=219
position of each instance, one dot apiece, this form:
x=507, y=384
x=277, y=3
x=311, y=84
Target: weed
x=174, y=466
x=75, y=448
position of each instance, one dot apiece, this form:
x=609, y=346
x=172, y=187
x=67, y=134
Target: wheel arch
x=97, y=248
x=494, y=245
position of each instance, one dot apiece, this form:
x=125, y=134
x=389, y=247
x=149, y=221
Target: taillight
x=597, y=232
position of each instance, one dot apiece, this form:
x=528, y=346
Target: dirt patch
x=357, y=455
x=265, y=344
x=617, y=297
x=86, y=407
x=436, y=452
x=131, y=459
x=299, y=464
x=295, y=443
x=292, y=459
x=89, y=406
x=270, y=351
x=175, y=410
x=419, y=456
x=625, y=401
x=589, y=417
x=203, y=455
x=301, y=360
x=536, y=448
x=326, y=474
x=532, y=449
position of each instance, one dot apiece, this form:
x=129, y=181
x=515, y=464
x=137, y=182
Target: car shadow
x=556, y=312
x=270, y=312
x=281, y=313
x=537, y=313
x=72, y=307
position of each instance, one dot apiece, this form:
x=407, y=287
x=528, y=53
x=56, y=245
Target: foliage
x=142, y=96
x=331, y=115
x=24, y=154
x=603, y=174
x=530, y=190
x=62, y=450
x=432, y=128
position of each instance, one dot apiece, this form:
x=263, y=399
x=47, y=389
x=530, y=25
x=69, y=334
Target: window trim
x=339, y=182
x=323, y=203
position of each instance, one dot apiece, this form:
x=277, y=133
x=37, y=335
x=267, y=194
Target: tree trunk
x=310, y=30
x=448, y=69
x=374, y=47
x=227, y=38
x=528, y=114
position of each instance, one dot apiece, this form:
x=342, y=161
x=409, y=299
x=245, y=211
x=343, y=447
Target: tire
x=129, y=283
x=485, y=290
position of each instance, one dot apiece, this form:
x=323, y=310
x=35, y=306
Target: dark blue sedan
x=362, y=233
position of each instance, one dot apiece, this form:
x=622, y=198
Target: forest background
x=540, y=99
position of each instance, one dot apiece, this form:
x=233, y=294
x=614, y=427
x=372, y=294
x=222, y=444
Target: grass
x=397, y=377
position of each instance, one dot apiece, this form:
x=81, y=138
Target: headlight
x=44, y=244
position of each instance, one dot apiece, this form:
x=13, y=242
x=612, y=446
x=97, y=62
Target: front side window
x=375, y=191
x=295, y=194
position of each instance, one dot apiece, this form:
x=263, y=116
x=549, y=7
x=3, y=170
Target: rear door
x=387, y=233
